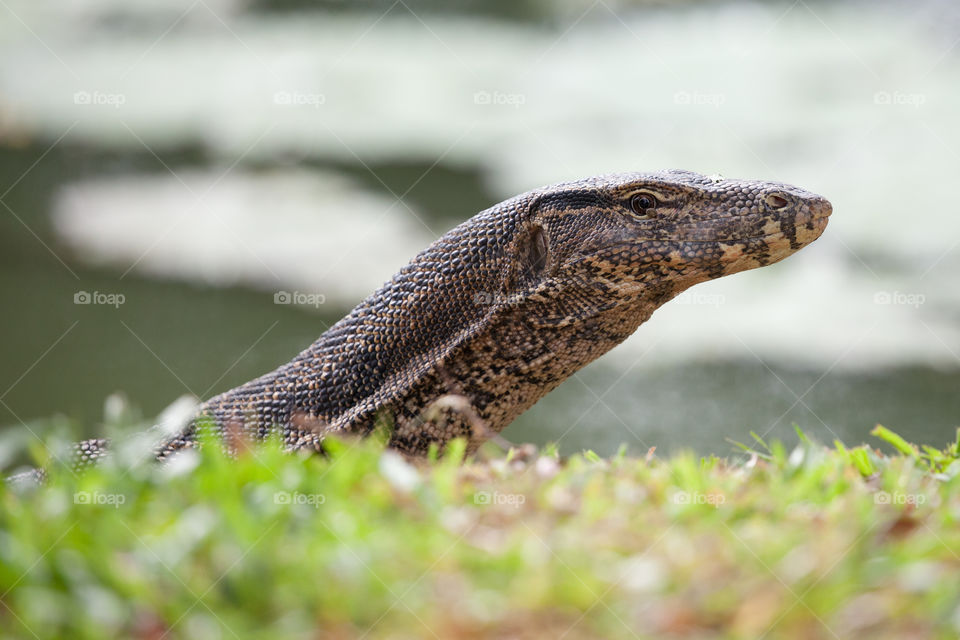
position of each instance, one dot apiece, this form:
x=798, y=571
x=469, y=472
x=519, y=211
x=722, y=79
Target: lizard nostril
x=776, y=201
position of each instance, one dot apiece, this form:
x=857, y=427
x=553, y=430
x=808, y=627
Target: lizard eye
x=643, y=203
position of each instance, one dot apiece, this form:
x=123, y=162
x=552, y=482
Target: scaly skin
x=502, y=309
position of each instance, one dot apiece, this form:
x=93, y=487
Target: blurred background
x=191, y=191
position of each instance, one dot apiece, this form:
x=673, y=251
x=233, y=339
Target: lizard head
x=652, y=235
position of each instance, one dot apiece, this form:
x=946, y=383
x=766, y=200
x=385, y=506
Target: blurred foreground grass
x=804, y=543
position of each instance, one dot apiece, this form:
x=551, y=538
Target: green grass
x=801, y=542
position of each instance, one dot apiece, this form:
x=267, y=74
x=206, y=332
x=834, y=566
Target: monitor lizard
x=504, y=307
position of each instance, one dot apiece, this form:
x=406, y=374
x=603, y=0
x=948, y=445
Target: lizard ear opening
x=537, y=251
x=530, y=257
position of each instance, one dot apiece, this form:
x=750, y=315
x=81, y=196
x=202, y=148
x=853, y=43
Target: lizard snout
x=820, y=207
x=782, y=200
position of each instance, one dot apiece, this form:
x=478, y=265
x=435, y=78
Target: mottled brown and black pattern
x=506, y=306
